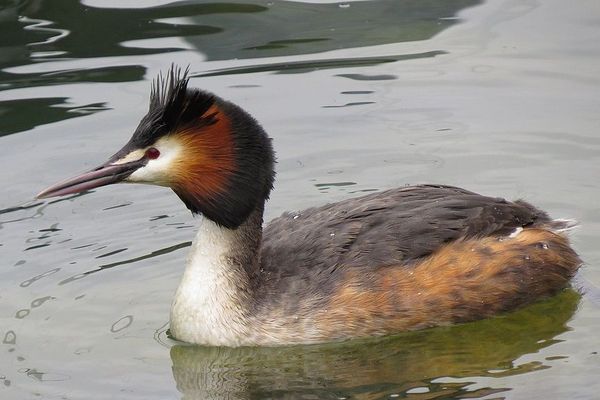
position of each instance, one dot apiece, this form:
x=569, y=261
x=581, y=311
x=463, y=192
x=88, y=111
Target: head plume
x=177, y=106
x=225, y=170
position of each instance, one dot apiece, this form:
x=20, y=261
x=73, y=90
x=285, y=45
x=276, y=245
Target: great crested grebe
x=403, y=259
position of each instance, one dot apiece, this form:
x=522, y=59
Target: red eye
x=152, y=153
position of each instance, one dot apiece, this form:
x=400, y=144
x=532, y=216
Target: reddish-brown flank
x=206, y=173
x=463, y=281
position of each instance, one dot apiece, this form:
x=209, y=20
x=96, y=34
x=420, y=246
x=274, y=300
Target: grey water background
x=498, y=96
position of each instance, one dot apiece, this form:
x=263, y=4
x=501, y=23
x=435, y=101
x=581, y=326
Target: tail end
x=562, y=225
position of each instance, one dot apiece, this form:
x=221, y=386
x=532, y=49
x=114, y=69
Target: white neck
x=212, y=301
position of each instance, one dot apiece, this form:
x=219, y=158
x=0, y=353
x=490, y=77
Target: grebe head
x=213, y=154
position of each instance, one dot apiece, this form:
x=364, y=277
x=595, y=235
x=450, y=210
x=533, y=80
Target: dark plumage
x=394, y=232
x=390, y=227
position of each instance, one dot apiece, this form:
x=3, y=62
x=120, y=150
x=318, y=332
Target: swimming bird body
x=402, y=259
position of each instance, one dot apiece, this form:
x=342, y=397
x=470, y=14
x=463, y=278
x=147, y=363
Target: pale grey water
x=500, y=97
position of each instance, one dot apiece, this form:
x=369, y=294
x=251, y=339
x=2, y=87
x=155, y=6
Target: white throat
x=209, y=306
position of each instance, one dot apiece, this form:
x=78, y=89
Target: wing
x=387, y=228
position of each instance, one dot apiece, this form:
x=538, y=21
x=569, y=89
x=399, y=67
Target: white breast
x=208, y=308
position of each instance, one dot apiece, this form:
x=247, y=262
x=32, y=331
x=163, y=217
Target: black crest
x=172, y=106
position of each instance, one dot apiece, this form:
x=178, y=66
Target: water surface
x=500, y=97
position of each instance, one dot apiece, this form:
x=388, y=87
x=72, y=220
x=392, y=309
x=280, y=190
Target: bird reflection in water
x=414, y=362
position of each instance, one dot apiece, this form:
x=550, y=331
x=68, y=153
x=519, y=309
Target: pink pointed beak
x=103, y=175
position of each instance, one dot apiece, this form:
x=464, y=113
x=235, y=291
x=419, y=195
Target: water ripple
x=153, y=254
